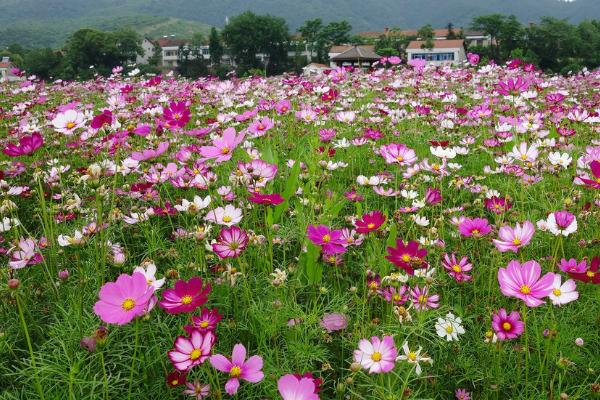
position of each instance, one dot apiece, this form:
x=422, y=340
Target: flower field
x=410, y=232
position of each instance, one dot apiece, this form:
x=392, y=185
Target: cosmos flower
x=68, y=121
x=370, y=222
x=26, y=253
x=422, y=300
x=476, y=227
x=330, y=240
x=512, y=239
x=457, y=269
x=27, y=145
x=563, y=293
x=192, y=350
x=177, y=115
x=230, y=242
x=595, y=181
x=291, y=387
x=149, y=154
x=205, y=322
x=524, y=282
x=222, y=148
x=377, y=355
x=238, y=368
x=497, y=205
x=449, y=327
x=197, y=390
x=590, y=275
x=414, y=357
x=185, y=296
x=268, y=199
x=561, y=223
x=228, y=215
x=334, y=322
x=507, y=326
x=407, y=256
x=394, y=153
x=123, y=300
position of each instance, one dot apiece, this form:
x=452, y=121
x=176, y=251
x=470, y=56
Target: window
x=433, y=56
x=205, y=52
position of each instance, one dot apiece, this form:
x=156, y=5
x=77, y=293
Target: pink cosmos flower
x=591, y=274
x=331, y=241
x=268, y=199
x=561, y=223
x=27, y=145
x=457, y=269
x=334, y=322
x=238, y=368
x=422, y=300
x=370, y=222
x=177, y=115
x=394, y=153
x=433, y=196
x=283, y=106
x=473, y=58
x=463, y=394
x=595, y=181
x=512, y=239
x=524, y=282
x=571, y=265
x=377, y=356
x=476, y=227
x=150, y=154
x=395, y=295
x=231, y=242
x=512, y=86
x=291, y=387
x=185, y=296
x=197, y=390
x=228, y=215
x=205, y=322
x=260, y=127
x=25, y=254
x=222, y=148
x=407, y=256
x=507, y=326
x=497, y=205
x=123, y=300
x=191, y=351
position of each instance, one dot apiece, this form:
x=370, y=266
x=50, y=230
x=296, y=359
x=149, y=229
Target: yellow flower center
x=524, y=157
x=557, y=292
x=371, y=225
x=225, y=150
x=456, y=268
x=516, y=241
x=396, y=297
x=422, y=299
x=412, y=356
x=376, y=356
x=405, y=257
x=525, y=289
x=203, y=324
x=449, y=329
x=435, y=167
x=187, y=299
x=475, y=232
x=70, y=125
x=590, y=274
x=261, y=127
x=128, y=304
x=400, y=158
x=326, y=238
x=176, y=116
x=235, y=371
x=507, y=326
x=227, y=218
x=195, y=354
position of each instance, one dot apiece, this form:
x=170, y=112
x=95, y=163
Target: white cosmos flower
x=419, y=220
x=449, y=327
x=193, y=206
x=67, y=122
x=561, y=223
x=556, y=158
x=443, y=152
x=149, y=272
x=413, y=357
x=565, y=293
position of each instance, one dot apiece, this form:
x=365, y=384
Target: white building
x=314, y=69
x=148, y=47
x=444, y=52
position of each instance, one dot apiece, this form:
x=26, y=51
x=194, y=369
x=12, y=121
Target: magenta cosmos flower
x=205, y=322
x=422, y=300
x=27, y=145
x=185, y=296
x=238, y=368
x=476, y=227
x=377, y=356
x=149, y=154
x=591, y=274
x=222, y=148
x=268, y=199
x=407, y=256
x=331, y=241
x=497, y=205
x=191, y=351
x=291, y=387
x=370, y=222
x=177, y=115
x=512, y=239
x=595, y=181
x=123, y=300
x=507, y=326
x=524, y=282
x=394, y=153
x=230, y=243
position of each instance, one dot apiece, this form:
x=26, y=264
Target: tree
x=451, y=34
x=190, y=60
x=321, y=37
x=310, y=33
x=215, y=47
x=510, y=35
x=44, y=63
x=490, y=24
x=427, y=34
x=248, y=35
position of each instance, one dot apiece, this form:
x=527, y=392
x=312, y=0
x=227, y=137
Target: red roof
x=437, y=44
x=169, y=42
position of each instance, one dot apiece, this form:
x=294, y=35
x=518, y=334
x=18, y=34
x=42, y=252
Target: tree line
x=262, y=44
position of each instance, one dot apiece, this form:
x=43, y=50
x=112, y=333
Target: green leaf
x=289, y=190
x=312, y=268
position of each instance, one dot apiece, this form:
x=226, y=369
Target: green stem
x=135, y=348
x=38, y=387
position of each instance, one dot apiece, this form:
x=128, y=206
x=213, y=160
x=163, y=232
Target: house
x=6, y=71
x=471, y=37
x=169, y=50
x=148, y=45
x=314, y=69
x=360, y=56
x=443, y=52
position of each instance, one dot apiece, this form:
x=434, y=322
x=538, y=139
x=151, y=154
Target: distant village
x=442, y=50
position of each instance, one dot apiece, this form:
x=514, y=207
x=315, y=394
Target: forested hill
x=48, y=22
